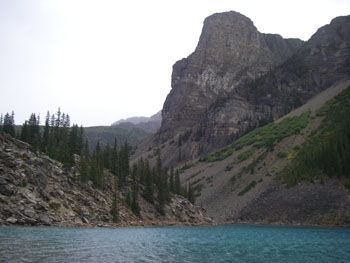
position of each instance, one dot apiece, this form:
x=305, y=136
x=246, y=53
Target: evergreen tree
x=135, y=189
x=84, y=169
x=148, y=193
x=141, y=170
x=1, y=122
x=9, y=124
x=46, y=134
x=128, y=199
x=115, y=208
x=177, y=183
x=190, y=194
x=114, y=158
x=107, y=156
x=24, y=132
x=171, y=180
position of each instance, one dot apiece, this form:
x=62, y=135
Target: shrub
x=282, y=155
x=250, y=186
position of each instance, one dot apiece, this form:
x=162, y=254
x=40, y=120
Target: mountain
x=107, y=134
x=295, y=170
x=239, y=79
x=36, y=190
x=148, y=124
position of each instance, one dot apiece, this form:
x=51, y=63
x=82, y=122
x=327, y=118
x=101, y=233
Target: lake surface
x=230, y=243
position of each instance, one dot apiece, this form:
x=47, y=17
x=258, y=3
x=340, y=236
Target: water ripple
x=234, y=243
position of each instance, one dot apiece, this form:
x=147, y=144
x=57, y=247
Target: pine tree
x=114, y=158
x=9, y=124
x=24, y=132
x=148, y=193
x=190, y=194
x=115, y=208
x=84, y=169
x=107, y=156
x=1, y=122
x=135, y=208
x=177, y=183
x=46, y=134
x=171, y=180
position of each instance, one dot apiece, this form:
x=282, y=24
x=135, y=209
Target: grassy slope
x=228, y=180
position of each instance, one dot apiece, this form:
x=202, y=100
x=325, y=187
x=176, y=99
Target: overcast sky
x=100, y=60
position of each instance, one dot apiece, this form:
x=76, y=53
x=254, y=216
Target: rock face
x=238, y=79
x=230, y=51
x=36, y=190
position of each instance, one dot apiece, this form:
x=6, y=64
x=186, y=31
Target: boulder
x=44, y=219
x=11, y=220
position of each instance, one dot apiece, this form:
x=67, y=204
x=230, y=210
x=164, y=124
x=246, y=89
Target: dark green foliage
x=8, y=124
x=282, y=155
x=123, y=159
x=115, y=208
x=148, y=193
x=108, y=134
x=190, y=194
x=245, y=155
x=328, y=152
x=246, y=189
x=177, y=183
x=135, y=207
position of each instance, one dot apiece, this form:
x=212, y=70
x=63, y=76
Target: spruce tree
x=190, y=194
x=114, y=158
x=148, y=193
x=46, y=134
x=135, y=208
x=177, y=183
x=1, y=122
x=115, y=208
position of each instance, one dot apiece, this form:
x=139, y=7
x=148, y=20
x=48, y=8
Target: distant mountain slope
x=137, y=120
x=108, y=133
x=147, y=124
x=249, y=180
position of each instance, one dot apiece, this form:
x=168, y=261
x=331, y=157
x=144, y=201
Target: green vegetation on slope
x=106, y=134
x=267, y=136
x=327, y=154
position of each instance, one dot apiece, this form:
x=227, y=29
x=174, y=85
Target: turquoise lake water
x=229, y=243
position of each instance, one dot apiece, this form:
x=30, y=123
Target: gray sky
x=101, y=60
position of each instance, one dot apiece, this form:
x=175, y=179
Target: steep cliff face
x=238, y=79
x=230, y=51
x=322, y=61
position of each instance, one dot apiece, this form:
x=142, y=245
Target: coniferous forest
x=64, y=142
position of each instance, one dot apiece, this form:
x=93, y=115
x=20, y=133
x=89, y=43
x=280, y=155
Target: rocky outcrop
x=230, y=51
x=317, y=65
x=238, y=79
x=36, y=190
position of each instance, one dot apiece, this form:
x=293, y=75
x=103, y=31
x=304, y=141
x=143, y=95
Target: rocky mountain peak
x=230, y=51
x=238, y=79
